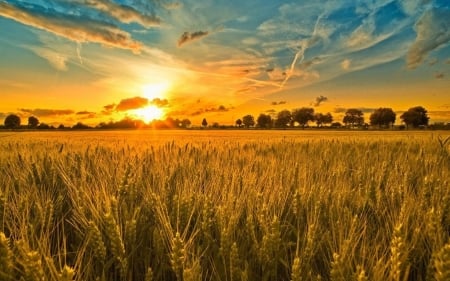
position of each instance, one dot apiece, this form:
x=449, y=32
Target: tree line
x=301, y=117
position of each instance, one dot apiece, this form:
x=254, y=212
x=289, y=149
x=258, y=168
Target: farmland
x=225, y=205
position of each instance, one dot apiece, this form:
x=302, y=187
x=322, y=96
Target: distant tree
x=239, y=123
x=382, y=117
x=336, y=125
x=303, y=115
x=12, y=121
x=322, y=119
x=353, y=117
x=284, y=118
x=248, y=121
x=186, y=123
x=43, y=126
x=80, y=126
x=216, y=125
x=415, y=116
x=33, y=122
x=61, y=126
x=204, y=123
x=264, y=121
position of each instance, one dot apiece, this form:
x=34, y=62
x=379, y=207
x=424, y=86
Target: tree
x=186, y=123
x=303, y=115
x=323, y=119
x=239, y=123
x=248, y=121
x=12, y=121
x=415, y=116
x=33, y=122
x=264, y=121
x=284, y=118
x=204, y=123
x=383, y=117
x=353, y=117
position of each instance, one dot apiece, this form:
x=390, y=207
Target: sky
x=95, y=61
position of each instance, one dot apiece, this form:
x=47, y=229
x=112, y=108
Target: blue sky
x=84, y=59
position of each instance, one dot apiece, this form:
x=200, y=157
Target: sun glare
x=149, y=113
x=156, y=90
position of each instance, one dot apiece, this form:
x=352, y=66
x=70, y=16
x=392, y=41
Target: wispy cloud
x=159, y=102
x=40, y=112
x=125, y=14
x=278, y=102
x=70, y=26
x=433, y=31
x=187, y=37
x=345, y=64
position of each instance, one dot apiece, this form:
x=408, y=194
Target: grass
x=202, y=205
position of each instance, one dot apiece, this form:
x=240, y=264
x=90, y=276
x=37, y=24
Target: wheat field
x=224, y=205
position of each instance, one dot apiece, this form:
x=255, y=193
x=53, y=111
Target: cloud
x=433, y=31
x=439, y=75
x=187, y=37
x=132, y=103
x=345, y=64
x=160, y=102
x=432, y=61
x=86, y=114
x=220, y=108
x=124, y=13
x=57, y=60
x=76, y=28
x=39, y=112
x=320, y=100
x=278, y=102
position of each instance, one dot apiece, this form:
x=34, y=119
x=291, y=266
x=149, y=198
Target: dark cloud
x=124, y=13
x=433, y=31
x=319, y=100
x=188, y=37
x=160, y=102
x=439, y=75
x=271, y=111
x=84, y=113
x=220, y=108
x=278, y=102
x=132, y=103
x=39, y=112
x=70, y=26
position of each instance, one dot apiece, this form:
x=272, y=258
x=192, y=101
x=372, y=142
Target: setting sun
x=149, y=113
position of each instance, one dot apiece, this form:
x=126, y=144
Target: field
x=224, y=205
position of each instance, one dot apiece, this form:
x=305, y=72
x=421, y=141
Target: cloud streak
x=433, y=31
x=124, y=13
x=72, y=27
x=132, y=103
x=40, y=112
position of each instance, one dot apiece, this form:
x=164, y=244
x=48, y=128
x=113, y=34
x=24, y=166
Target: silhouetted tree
x=415, y=116
x=216, y=125
x=321, y=119
x=80, y=126
x=239, y=123
x=186, y=123
x=204, y=122
x=61, y=126
x=12, y=121
x=353, y=117
x=284, y=118
x=336, y=125
x=303, y=115
x=248, y=121
x=33, y=122
x=264, y=121
x=383, y=117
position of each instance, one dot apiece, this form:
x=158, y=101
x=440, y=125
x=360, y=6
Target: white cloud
x=345, y=64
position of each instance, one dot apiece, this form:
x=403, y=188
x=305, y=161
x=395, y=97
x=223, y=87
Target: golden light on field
x=155, y=90
x=149, y=113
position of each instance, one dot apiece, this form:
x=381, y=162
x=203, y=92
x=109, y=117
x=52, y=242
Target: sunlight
x=149, y=113
x=157, y=90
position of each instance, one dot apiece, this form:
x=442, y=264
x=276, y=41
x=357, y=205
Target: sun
x=149, y=113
